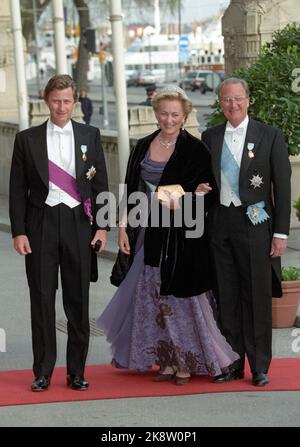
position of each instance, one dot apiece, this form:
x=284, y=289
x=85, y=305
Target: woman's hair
x=172, y=92
x=60, y=82
x=233, y=81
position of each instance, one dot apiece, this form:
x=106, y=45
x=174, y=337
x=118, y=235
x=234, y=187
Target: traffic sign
x=183, y=42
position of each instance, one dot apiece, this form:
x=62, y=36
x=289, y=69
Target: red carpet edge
x=107, y=382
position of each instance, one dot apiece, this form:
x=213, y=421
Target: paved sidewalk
x=210, y=410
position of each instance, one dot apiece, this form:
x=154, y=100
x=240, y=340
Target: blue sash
x=230, y=169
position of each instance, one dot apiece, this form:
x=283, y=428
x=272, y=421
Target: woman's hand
x=203, y=188
x=123, y=241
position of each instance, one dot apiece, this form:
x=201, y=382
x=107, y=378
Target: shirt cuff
x=280, y=235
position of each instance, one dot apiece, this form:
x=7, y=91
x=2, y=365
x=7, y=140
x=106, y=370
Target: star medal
x=256, y=181
x=84, y=150
x=250, y=147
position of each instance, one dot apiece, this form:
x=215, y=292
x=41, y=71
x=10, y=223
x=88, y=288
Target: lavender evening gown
x=145, y=328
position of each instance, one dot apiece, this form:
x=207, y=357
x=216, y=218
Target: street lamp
x=179, y=35
x=148, y=32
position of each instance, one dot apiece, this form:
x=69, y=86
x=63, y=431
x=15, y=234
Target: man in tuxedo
x=57, y=170
x=249, y=227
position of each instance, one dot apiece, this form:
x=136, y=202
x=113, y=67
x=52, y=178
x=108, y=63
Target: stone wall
x=7, y=135
x=248, y=24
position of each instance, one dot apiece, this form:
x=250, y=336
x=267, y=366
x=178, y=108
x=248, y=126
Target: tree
x=275, y=90
x=82, y=65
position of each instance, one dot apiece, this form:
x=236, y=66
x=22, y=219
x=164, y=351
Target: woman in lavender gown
x=162, y=312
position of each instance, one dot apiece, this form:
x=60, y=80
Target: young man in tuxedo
x=249, y=227
x=57, y=171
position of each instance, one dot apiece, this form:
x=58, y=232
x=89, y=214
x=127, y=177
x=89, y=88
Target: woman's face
x=170, y=116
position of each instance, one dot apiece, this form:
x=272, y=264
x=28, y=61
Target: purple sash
x=67, y=183
x=63, y=180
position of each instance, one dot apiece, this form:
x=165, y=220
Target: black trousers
x=241, y=255
x=60, y=239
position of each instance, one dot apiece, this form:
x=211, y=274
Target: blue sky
x=201, y=9
x=191, y=10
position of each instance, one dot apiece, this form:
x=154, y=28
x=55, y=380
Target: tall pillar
x=248, y=24
x=8, y=86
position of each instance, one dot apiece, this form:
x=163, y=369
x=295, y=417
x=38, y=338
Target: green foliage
x=290, y=274
x=270, y=80
x=296, y=204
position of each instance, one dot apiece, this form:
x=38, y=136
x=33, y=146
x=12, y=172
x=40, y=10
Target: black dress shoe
x=77, y=382
x=40, y=383
x=260, y=379
x=230, y=375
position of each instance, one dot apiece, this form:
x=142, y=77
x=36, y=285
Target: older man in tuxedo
x=57, y=170
x=249, y=227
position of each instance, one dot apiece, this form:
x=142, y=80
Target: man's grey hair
x=233, y=81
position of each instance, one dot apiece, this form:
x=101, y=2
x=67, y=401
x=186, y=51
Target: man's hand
x=278, y=247
x=22, y=245
x=100, y=235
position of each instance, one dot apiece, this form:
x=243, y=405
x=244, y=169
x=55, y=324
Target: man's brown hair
x=60, y=82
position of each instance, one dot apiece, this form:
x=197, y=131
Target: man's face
x=61, y=105
x=234, y=103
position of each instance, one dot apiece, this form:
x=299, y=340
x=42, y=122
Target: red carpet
x=109, y=383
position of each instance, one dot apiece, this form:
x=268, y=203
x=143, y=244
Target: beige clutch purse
x=167, y=192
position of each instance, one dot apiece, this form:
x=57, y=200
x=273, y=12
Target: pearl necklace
x=166, y=145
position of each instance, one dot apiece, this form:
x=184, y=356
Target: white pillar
x=116, y=19
x=156, y=17
x=59, y=37
x=20, y=64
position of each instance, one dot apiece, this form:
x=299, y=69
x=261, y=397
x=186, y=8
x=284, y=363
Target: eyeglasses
x=228, y=99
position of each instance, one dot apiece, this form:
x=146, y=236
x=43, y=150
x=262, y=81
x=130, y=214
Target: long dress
x=145, y=328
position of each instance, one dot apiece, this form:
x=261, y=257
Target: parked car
x=203, y=80
x=142, y=77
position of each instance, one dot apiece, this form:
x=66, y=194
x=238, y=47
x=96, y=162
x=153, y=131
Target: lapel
x=80, y=138
x=217, y=138
x=254, y=136
x=38, y=149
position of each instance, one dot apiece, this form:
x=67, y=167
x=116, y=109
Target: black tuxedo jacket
x=270, y=162
x=29, y=178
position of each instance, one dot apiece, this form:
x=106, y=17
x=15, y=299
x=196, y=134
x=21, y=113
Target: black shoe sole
x=39, y=390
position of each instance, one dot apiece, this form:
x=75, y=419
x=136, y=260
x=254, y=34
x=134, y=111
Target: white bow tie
x=62, y=132
x=238, y=130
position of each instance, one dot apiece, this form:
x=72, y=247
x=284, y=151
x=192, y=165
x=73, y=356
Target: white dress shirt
x=61, y=151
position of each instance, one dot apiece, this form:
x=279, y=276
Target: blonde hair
x=172, y=93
